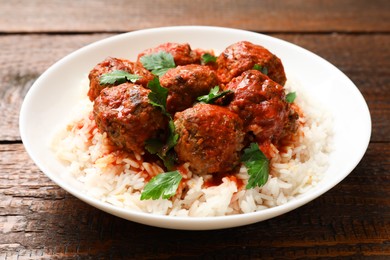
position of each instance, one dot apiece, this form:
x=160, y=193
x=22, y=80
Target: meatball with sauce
x=185, y=84
x=125, y=114
x=260, y=103
x=243, y=56
x=182, y=53
x=211, y=138
x=111, y=64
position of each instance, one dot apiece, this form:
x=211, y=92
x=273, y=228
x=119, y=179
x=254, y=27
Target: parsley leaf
x=158, y=95
x=213, y=95
x=117, y=77
x=169, y=160
x=163, y=186
x=158, y=63
x=257, y=165
x=208, y=58
x=154, y=146
x=163, y=151
x=290, y=97
x=172, y=138
x=260, y=68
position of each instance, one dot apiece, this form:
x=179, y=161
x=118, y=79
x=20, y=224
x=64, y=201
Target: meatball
x=242, y=56
x=211, y=138
x=185, y=84
x=111, y=64
x=260, y=103
x=182, y=53
x=124, y=113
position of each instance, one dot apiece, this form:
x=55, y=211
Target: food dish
x=319, y=75
x=247, y=151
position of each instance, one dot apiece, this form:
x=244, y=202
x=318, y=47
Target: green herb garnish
x=172, y=138
x=158, y=63
x=208, y=58
x=158, y=98
x=163, y=186
x=163, y=151
x=260, y=68
x=117, y=77
x=154, y=146
x=213, y=95
x=157, y=147
x=158, y=95
x=257, y=165
x=290, y=97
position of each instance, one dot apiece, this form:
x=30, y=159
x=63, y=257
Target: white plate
x=50, y=100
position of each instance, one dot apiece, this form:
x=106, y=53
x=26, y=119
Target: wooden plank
x=40, y=220
x=24, y=59
x=363, y=58
x=262, y=16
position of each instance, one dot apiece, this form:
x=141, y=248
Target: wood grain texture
x=363, y=58
x=40, y=220
x=264, y=16
x=24, y=58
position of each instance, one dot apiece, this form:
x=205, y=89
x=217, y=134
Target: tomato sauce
x=216, y=180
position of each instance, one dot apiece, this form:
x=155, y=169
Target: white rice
x=118, y=178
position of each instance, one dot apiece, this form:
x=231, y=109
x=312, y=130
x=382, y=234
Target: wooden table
x=40, y=220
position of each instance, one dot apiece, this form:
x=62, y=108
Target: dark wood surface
x=40, y=220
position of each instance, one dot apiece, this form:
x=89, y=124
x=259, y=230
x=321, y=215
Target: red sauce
x=146, y=176
x=183, y=170
x=216, y=180
x=266, y=148
x=239, y=182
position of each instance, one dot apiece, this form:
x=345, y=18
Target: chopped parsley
x=257, y=166
x=290, y=97
x=158, y=95
x=163, y=186
x=157, y=147
x=172, y=138
x=208, y=58
x=158, y=63
x=117, y=77
x=163, y=151
x=213, y=95
x=158, y=98
x=260, y=68
x=154, y=145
